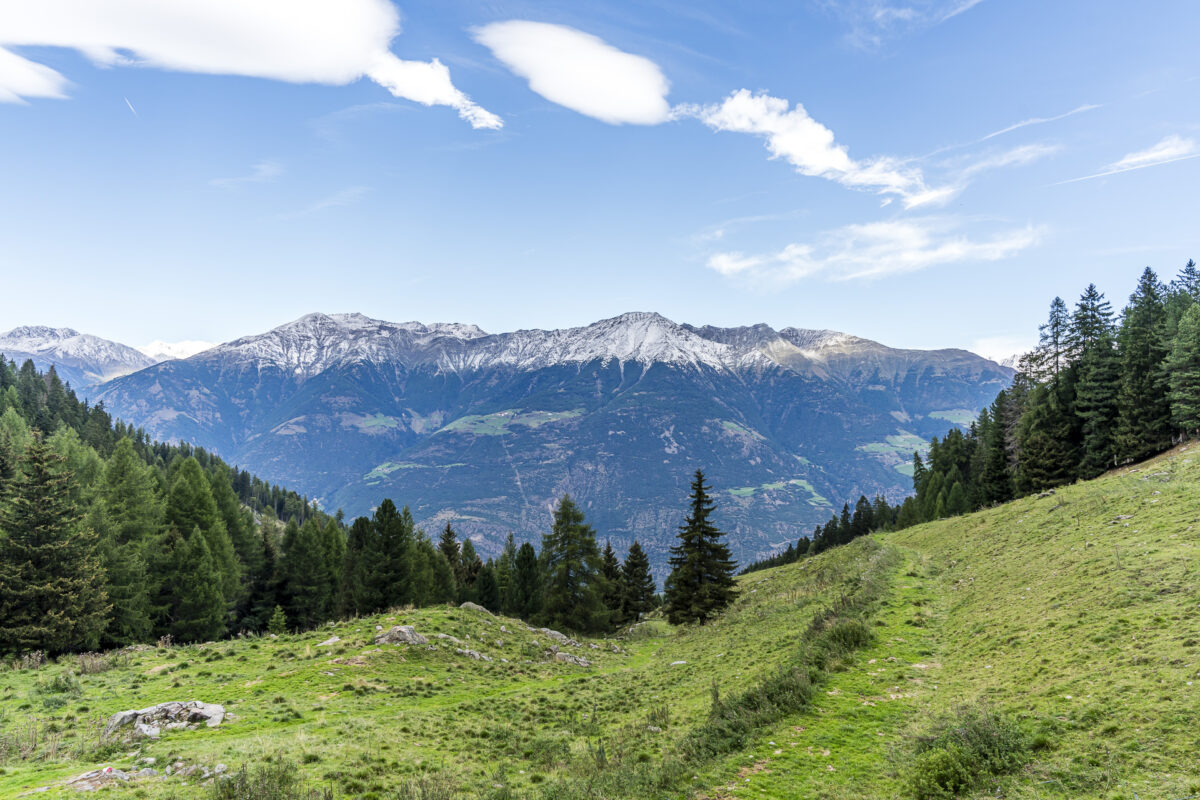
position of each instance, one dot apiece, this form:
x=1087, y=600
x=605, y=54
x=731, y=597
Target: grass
x=1073, y=620
x=814, y=498
x=957, y=416
x=388, y=467
x=499, y=423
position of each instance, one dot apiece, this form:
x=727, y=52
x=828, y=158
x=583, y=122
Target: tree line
x=1097, y=392
x=109, y=539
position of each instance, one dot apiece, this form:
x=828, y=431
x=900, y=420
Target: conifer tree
x=51, y=581
x=392, y=572
x=573, y=591
x=1144, y=420
x=190, y=504
x=614, y=589
x=527, y=583
x=360, y=589
x=198, y=613
x=638, y=584
x=443, y=589
x=448, y=544
x=1096, y=406
x=278, y=622
x=264, y=581
x=487, y=591
x=701, y=582
x=304, y=575
x=1183, y=371
x=469, y=564
x=504, y=568
x=14, y=438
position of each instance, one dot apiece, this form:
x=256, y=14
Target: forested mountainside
x=487, y=431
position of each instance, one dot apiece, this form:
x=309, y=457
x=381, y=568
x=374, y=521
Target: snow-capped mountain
x=80, y=359
x=158, y=350
x=488, y=430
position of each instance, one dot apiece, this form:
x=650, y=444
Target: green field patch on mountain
x=814, y=498
x=373, y=423
x=901, y=444
x=957, y=416
x=388, y=467
x=740, y=430
x=501, y=422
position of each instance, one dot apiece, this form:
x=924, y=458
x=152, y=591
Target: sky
x=926, y=173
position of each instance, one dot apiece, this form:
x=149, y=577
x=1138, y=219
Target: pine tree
x=360, y=588
x=487, y=591
x=1091, y=321
x=394, y=534
x=304, y=575
x=198, y=614
x=1144, y=423
x=637, y=583
x=573, y=591
x=504, y=572
x=527, y=583
x=278, y=622
x=701, y=582
x=1183, y=371
x=614, y=589
x=1047, y=455
x=127, y=515
x=264, y=581
x=190, y=505
x=469, y=564
x=51, y=581
x=1096, y=406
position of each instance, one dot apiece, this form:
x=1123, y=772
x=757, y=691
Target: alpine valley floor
x=1075, y=614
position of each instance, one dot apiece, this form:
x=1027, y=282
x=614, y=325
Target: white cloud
x=299, y=41
x=580, y=71
x=1016, y=157
x=872, y=22
x=1025, y=123
x=1172, y=148
x=873, y=250
x=168, y=351
x=809, y=146
x=262, y=172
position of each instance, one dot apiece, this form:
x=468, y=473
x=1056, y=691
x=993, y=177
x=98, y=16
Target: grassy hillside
x=1075, y=616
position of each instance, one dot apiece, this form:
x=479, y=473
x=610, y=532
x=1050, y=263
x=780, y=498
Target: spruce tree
x=469, y=564
x=701, y=582
x=360, y=590
x=487, y=590
x=573, y=592
x=1183, y=371
x=395, y=536
x=51, y=581
x=614, y=589
x=198, y=614
x=189, y=505
x=527, y=583
x=637, y=583
x=1144, y=423
x=1096, y=406
x=304, y=575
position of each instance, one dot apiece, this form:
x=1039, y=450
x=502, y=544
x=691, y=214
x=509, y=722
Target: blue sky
x=927, y=173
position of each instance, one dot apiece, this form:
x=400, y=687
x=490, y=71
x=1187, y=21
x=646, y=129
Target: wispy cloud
x=262, y=172
x=1169, y=150
x=1014, y=157
x=307, y=42
x=343, y=197
x=791, y=134
x=875, y=250
x=1025, y=123
x=580, y=71
x=873, y=22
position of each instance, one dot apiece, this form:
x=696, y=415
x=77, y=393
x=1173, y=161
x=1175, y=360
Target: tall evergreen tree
x=1183, y=370
x=487, y=590
x=527, y=583
x=304, y=575
x=701, y=582
x=614, y=588
x=469, y=564
x=51, y=582
x=573, y=591
x=395, y=536
x=1096, y=406
x=198, y=612
x=190, y=505
x=1144, y=422
x=637, y=583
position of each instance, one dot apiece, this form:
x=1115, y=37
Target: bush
x=962, y=750
x=278, y=781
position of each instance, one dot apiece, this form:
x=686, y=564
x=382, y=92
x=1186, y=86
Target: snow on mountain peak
x=158, y=350
x=93, y=358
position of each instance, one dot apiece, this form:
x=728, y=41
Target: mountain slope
x=80, y=359
x=488, y=430
x=1073, y=614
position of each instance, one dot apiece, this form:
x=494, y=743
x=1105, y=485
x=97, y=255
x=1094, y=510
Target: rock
x=449, y=638
x=401, y=634
x=174, y=715
x=469, y=606
x=332, y=640
x=558, y=637
x=503, y=629
x=567, y=658
x=475, y=654
x=678, y=663
x=147, y=772
x=654, y=729
x=1047, y=493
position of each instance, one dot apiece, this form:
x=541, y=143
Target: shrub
x=271, y=781
x=962, y=750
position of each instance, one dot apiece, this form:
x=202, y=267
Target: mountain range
x=486, y=431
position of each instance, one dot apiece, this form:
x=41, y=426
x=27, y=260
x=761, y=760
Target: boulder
x=469, y=606
x=332, y=640
x=401, y=634
x=559, y=637
x=174, y=715
x=475, y=654
x=567, y=658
